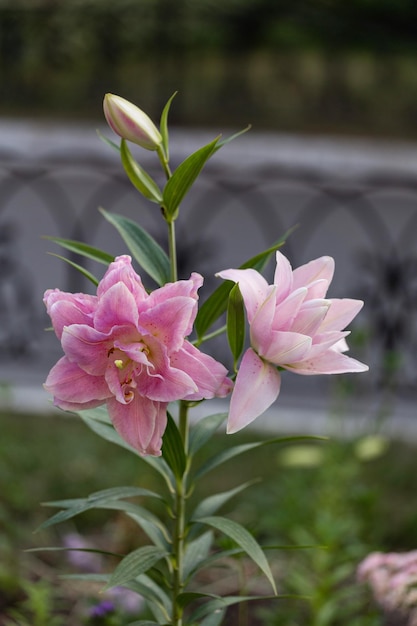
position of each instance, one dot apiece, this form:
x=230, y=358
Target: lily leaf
x=173, y=448
x=244, y=539
x=236, y=322
x=164, y=126
x=78, y=267
x=211, y=504
x=215, y=619
x=139, y=178
x=230, y=453
x=108, y=141
x=223, y=142
x=196, y=552
x=204, y=430
x=134, y=564
x=83, y=249
x=218, y=604
x=183, y=178
x=147, y=252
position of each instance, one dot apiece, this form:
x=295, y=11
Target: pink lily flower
x=127, y=348
x=293, y=326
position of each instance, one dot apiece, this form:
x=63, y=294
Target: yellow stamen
x=119, y=364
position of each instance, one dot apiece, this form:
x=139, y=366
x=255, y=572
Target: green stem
x=172, y=251
x=178, y=534
x=164, y=162
x=178, y=546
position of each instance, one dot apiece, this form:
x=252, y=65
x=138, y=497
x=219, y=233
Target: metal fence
x=354, y=201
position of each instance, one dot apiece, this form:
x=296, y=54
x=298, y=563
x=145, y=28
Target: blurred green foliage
x=304, y=65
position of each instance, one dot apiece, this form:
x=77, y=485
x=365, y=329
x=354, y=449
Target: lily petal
x=67, y=308
x=257, y=386
x=141, y=423
x=73, y=388
x=283, y=277
x=318, y=269
x=341, y=313
x=330, y=362
x=209, y=375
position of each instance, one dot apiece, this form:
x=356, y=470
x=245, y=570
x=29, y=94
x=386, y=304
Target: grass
x=330, y=497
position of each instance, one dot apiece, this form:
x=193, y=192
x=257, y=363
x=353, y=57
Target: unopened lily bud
x=130, y=122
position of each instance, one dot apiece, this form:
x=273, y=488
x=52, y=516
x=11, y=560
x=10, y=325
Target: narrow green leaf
x=196, y=552
x=236, y=322
x=142, y=246
x=159, y=602
x=244, y=539
x=164, y=126
x=183, y=178
x=135, y=511
x=139, y=178
x=223, y=142
x=145, y=622
x=211, y=504
x=230, y=453
x=83, y=249
x=78, y=267
x=214, y=619
x=210, y=311
x=184, y=599
x=64, y=549
x=216, y=303
x=137, y=562
x=173, y=448
x=113, y=493
x=220, y=604
x=108, y=141
x=204, y=429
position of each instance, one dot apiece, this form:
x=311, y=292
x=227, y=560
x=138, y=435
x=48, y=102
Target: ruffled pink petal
x=169, y=321
x=283, y=277
x=209, y=375
x=334, y=339
x=317, y=289
x=261, y=326
x=185, y=288
x=341, y=313
x=287, y=347
x=141, y=423
x=318, y=269
x=252, y=285
x=87, y=347
x=286, y=310
x=116, y=307
x=67, y=308
x=331, y=362
x=121, y=271
x=310, y=317
x=162, y=381
x=73, y=388
x=256, y=388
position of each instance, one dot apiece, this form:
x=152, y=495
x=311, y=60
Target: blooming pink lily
x=293, y=326
x=128, y=349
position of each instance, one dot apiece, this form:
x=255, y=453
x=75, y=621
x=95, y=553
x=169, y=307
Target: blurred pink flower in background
x=292, y=325
x=392, y=578
x=128, y=349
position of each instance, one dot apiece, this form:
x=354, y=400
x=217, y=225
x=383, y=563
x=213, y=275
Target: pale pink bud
x=130, y=122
